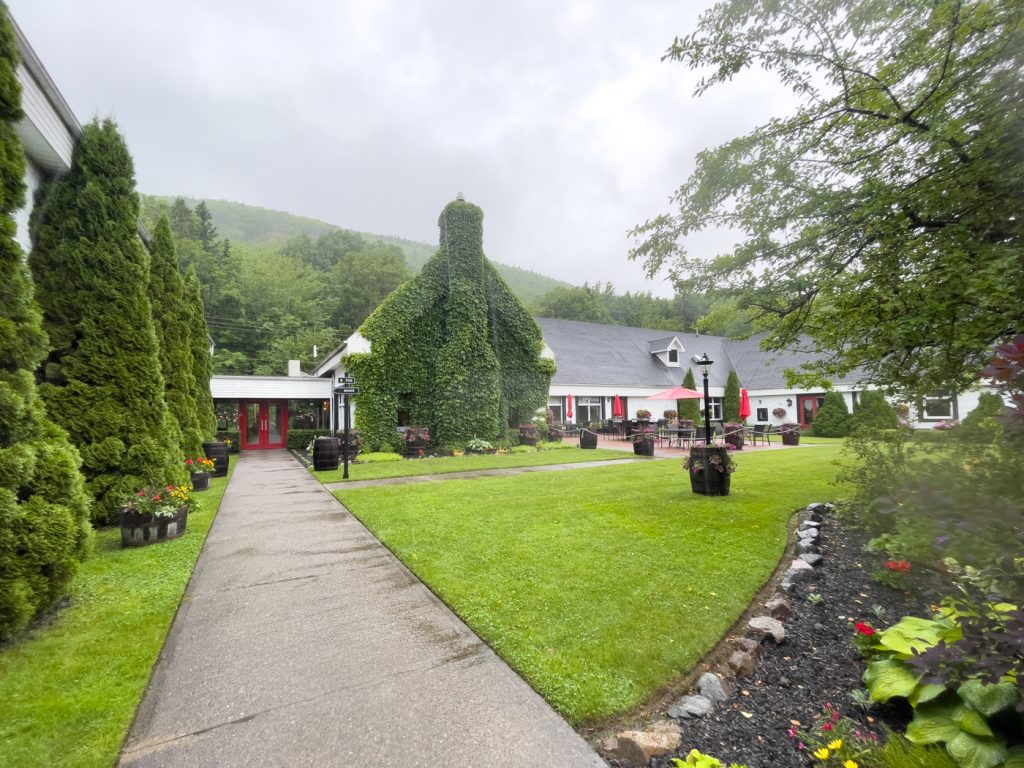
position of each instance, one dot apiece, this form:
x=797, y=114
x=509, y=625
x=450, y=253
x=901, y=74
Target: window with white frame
x=937, y=406
x=588, y=409
x=555, y=409
x=716, y=408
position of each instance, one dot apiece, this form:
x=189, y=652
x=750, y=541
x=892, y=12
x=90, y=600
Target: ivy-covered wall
x=452, y=349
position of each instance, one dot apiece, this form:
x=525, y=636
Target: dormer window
x=673, y=355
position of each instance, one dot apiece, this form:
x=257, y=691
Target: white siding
x=269, y=387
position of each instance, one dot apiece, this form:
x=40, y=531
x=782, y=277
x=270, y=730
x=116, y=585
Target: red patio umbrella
x=676, y=393
x=568, y=408
x=744, y=404
x=617, y=408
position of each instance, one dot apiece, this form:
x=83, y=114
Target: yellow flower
x=821, y=754
x=835, y=745
x=850, y=764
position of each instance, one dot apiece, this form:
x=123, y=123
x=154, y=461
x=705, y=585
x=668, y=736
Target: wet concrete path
x=302, y=640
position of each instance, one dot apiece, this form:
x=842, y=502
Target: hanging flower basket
x=710, y=468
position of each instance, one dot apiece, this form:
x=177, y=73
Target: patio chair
x=686, y=437
x=761, y=432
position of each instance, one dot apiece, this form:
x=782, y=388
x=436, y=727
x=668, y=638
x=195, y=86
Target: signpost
x=345, y=388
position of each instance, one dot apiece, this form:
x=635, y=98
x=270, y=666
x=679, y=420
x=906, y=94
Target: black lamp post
x=705, y=364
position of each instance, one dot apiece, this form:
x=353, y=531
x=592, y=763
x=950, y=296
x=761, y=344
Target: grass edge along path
x=599, y=588
x=70, y=687
x=450, y=464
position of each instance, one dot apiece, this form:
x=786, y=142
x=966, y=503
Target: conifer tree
x=172, y=321
x=202, y=365
x=833, y=417
x=690, y=409
x=731, y=400
x=44, y=510
x=102, y=379
x=873, y=412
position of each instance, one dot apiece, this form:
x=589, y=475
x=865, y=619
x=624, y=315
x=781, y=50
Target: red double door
x=263, y=423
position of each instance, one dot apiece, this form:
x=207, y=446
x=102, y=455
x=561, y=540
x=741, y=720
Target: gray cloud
x=561, y=121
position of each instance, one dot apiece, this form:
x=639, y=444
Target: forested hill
x=262, y=228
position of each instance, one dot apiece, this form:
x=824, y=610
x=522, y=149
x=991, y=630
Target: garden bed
x=817, y=664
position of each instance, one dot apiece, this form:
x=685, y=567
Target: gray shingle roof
x=759, y=369
x=615, y=355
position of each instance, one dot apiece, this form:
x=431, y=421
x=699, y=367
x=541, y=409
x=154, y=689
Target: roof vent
x=460, y=198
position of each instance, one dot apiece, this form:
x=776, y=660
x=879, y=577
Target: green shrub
x=833, y=417
x=298, y=439
x=989, y=406
x=554, y=446
x=873, y=413
x=235, y=446
x=44, y=509
x=522, y=449
x=689, y=409
x=900, y=753
x=731, y=398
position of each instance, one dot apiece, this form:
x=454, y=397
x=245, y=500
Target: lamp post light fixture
x=705, y=364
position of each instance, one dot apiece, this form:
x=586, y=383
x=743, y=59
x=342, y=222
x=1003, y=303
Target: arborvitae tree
x=873, y=412
x=102, y=379
x=833, y=417
x=199, y=338
x=731, y=401
x=172, y=319
x=453, y=347
x=689, y=409
x=44, y=510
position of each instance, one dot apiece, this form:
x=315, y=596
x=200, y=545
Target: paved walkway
x=302, y=641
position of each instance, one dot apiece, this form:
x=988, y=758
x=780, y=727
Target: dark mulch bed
x=817, y=663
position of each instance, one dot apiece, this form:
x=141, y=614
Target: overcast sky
x=558, y=119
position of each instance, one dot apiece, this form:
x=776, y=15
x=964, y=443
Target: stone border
x=663, y=737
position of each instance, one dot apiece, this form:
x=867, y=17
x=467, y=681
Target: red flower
x=898, y=565
x=827, y=727
x=188, y=461
x=864, y=629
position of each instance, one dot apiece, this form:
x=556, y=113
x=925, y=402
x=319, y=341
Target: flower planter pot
x=643, y=447
x=415, y=449
x=733, y=435
x=139, y=530
x=200, y=481
x=707, y=474
x=588, y=439
x=325, y=453
x=790, y=434
x=217, y=451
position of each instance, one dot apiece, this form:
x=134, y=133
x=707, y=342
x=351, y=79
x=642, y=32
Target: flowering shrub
x=202, y=464
x=158, y=502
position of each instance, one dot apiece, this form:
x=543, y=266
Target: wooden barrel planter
x=200, y=481
x=733, y=435
x=643, y=447
x=588, y=439
x=790, y=434
x=217, y=451
x=528, y=434
x=326, y=453
x=709, y=470
x=139, y=530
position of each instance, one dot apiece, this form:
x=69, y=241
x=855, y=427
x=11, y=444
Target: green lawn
x=438, y=466
x=599, y=585
x=69, y=690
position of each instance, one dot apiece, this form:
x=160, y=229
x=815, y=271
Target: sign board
x=346, y=380
x=346, y=390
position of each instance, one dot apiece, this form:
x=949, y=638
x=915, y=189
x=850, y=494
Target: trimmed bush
x=380, y=458
x=731, y=400
x=202, y=363
x=690, y=409
x=44, y=510
x=298, y=439
x=833, y=418
x=873, y=413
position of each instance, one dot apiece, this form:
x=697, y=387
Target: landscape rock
x=690, y=706
x=638, y=748
x=748, y=645
x=810, y=558
x=793, y=575
x=741, y=664
x=766, y=625
x=807, y=525
x=666, y=726
x=808, y=535
x=806, y=546
x=800, y=565
x=778, y=607
x=711, y=688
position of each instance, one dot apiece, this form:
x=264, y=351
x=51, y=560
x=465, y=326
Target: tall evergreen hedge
x=873, y=412
x=44, y=510
x=452, y=348
x=690, y=409
x=202, y=365
x=731, y=400
x=102, y=379
x=172, y=322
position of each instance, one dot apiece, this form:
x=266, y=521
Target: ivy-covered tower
x=102, y=380
x=44, y=510
x=452, y=348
